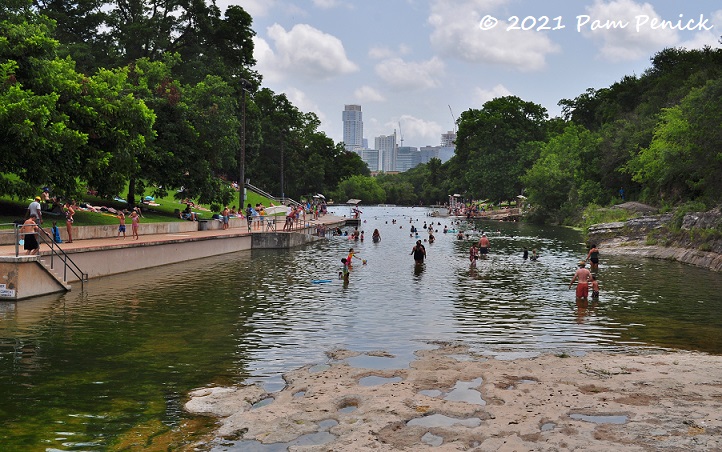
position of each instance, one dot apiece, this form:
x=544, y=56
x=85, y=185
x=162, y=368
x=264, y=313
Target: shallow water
x=103, y=368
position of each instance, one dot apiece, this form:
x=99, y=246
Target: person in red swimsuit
x=583, y=276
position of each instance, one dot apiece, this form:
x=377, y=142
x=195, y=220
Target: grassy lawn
x=13, y=209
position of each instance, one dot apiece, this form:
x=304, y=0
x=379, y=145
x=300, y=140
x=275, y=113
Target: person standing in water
x=593, y=257
x=484, y=245
x=473, y=254
x=419, y=252
x=583, y=276
x=595, y=287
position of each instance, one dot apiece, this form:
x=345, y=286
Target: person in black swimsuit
x=419, y=252
x=593, y=257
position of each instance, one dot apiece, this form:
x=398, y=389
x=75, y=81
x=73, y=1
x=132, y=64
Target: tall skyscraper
x=353, y=128
x=386, y=144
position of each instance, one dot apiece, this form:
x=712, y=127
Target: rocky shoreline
x=451, y=398
x=633, y=237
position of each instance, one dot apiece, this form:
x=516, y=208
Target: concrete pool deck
x=158, y=244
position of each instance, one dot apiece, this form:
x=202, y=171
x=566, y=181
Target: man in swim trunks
x=29, y=230
x=583, y=276
x=483, y=244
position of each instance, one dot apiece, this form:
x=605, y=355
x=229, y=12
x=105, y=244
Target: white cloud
x=266, y=61
x=636, y=40
x=456, y=33
x=380, y=53
x=410, y=75
x=416, y=130
x=368, y=94
x=304, y=51
x=256, y=8
x=484, y=95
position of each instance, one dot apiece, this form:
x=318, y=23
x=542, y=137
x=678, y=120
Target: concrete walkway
x=24, y=276
x=156, y=239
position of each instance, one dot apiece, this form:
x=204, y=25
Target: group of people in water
x=586, y=278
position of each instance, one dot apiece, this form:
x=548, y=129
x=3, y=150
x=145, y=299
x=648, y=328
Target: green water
x=111, y=367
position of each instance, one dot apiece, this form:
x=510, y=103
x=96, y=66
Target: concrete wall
x=133, y=256
x=26, y=277
x=281, y=240
x=112, y=260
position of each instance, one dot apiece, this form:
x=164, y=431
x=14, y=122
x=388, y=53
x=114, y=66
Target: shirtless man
x=29, y=230
x=583, y=276
x=483, y=244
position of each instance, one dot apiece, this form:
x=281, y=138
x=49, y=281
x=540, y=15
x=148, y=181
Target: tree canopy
x=156, y=101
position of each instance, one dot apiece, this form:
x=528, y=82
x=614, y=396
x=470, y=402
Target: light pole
x=245, y=84
x=283, y=194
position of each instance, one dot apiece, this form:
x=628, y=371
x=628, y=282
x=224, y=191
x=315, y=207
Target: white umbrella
x=321, y=196
x=353, y=201
x=273, y=210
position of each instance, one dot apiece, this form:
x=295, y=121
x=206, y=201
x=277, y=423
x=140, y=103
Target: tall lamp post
x=245, y=84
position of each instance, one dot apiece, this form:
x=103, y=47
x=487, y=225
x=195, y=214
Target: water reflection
x=122, y=356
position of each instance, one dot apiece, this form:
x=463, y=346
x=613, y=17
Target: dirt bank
x=452, y=399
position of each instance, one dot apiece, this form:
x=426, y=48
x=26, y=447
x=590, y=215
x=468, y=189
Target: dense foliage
x=104, y=94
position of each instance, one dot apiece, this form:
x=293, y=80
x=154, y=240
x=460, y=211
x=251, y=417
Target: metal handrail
x=283, y=201
x=55, y=250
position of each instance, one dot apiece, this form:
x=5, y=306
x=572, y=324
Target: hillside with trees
x=657, y=137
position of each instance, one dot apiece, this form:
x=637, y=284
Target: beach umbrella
x=273, y=210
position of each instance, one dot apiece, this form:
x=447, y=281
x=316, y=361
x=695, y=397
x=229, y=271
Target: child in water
x=473, y=254
x=344, y=273
x=350, y=256
x=594, y=285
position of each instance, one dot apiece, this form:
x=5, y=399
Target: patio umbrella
x=353, y=201
x=274, y=210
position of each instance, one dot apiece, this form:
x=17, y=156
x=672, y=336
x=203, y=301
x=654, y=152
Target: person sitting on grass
x=188, y=214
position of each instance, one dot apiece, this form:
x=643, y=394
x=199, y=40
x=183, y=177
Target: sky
x=416, y=65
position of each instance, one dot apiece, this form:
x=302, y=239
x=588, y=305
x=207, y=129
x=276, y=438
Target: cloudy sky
x=418, y=62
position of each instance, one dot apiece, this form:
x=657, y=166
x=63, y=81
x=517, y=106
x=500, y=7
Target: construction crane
x=401, y=135
x=453, y=117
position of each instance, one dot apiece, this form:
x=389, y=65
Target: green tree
x=364, y=188
x=684, y=160
x=562, y=180
x=490, y=145
x=60, y=127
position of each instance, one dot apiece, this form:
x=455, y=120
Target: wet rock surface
x=647, y=401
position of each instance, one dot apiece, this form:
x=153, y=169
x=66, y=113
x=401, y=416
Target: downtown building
x=386, y=145
x=353, y=128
